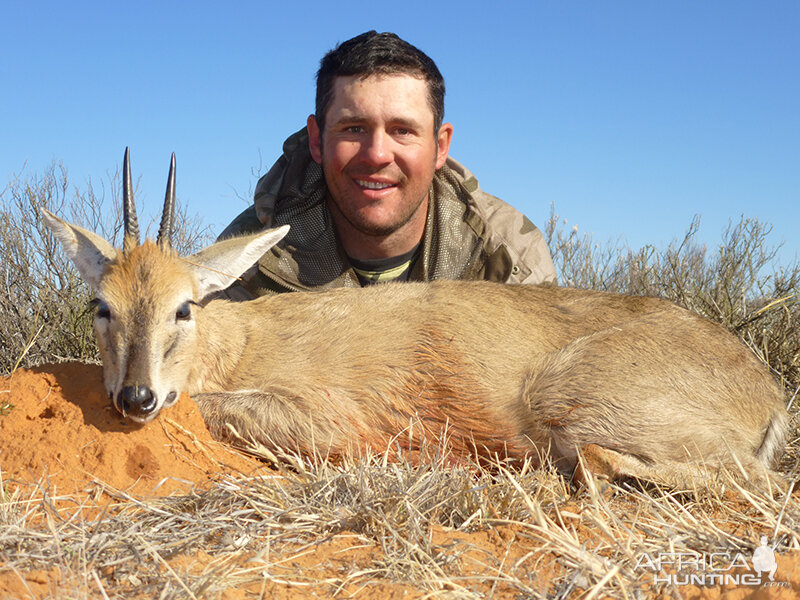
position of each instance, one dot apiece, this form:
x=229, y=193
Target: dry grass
x=263, y=533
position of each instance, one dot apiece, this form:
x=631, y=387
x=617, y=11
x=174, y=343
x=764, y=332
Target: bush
x=44, y=315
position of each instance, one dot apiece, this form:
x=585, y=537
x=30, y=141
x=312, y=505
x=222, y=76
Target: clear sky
x=630, y=116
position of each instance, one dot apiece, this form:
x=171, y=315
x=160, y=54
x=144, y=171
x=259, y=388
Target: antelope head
x=147, y=298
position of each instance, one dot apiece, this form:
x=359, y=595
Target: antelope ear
x=88, y=251
x=218, y=266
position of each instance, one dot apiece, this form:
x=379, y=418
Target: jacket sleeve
x=511, y=232
x=516, y=251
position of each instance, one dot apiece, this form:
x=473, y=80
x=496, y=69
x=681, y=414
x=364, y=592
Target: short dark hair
x=374, y=53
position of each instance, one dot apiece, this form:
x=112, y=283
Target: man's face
x=379, y=152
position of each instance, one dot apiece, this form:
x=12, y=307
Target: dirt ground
x=57, y=428
x=64, y=429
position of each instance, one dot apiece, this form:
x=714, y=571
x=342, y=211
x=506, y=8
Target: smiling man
x=371, y=193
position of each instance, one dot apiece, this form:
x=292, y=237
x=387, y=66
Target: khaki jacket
x=469, y=234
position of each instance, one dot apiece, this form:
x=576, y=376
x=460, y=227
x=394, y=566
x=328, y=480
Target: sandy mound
x=57, y=425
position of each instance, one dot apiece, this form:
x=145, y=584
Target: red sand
x=61, y=428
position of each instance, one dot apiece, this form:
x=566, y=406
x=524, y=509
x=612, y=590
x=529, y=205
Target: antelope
x=637, y=386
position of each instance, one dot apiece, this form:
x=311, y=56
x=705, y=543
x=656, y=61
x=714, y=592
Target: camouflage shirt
x=469, y=234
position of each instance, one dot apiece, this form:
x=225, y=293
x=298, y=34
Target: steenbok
x=641, y=387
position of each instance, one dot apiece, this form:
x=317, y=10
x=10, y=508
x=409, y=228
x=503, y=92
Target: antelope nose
x=137, y=400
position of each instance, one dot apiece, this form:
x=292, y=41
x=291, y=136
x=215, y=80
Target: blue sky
x=630, y=116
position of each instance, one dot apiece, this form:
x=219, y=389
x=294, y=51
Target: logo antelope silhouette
x=639, y=386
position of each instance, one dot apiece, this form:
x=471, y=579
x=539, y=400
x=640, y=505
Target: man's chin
x=374, y=220
x=377, y=219
x=377, y=228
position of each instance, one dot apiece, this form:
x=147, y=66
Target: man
x=370, y=192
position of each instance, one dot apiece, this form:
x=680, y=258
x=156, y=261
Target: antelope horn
x=168, y=214
x=130, y=223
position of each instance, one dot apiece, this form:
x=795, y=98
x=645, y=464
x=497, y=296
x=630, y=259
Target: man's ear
x=314, y=139
x=443, y=139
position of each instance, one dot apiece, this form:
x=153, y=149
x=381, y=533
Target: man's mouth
x=374, y=185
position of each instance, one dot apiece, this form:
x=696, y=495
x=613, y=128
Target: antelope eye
x=101, y=310
x=184, y=312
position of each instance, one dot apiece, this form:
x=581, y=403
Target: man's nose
x=377, y=148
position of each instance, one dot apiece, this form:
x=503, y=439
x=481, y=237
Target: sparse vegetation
x=397, y=526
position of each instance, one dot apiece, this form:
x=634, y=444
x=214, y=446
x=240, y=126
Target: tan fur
x=494, y=370
x=141, y=288
x=509, y=370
